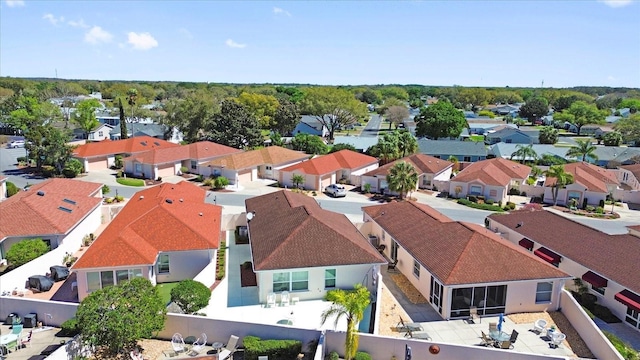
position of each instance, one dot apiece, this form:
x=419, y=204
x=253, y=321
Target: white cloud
x=52, y=19
x=79, y=24
x=280, y=11
x=97, y=35
x=233, y=44
x=186, y=33
x=14, y=3
x=142, y=41
x=616, y=3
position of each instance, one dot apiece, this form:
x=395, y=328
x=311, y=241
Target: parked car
x=16, y=144
x=336, y=190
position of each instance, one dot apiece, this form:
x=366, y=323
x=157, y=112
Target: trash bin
x=11, y=318
x=30, y=320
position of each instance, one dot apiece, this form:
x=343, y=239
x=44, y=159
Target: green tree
x=220, y=182
x=584, y=114
x=276, y=139
x=24, y=251
x=132, y=98
x=123, y=121
x=440, y=120
x=369, y=96
x=632, y=104
x=524, y=152
x=263, y=107
x=338, y=147
x=310, y=144
x=407, y=143
x=473, y=97
x=12, y=189
x=535, y=108
x=612, y=138
x=402, y=178
x=191, y=295
x=456, y=164
x=234, y=126
x=333, y=108
x=286, y=118
x=191, y=115
x=292, y=94
x=72, y=168
x=297, y=179
x=549, y=160
x=351, y=305
x=394, y=92
x=116, y=317
x=507, y=97
x=85, y=115
x=562, y=179
x=548, y=135
x=629, y=128
x=396, y=114
x=565, y=101
x=583, y=149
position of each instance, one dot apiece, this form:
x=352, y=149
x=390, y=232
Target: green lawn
x=476, y=138
x=165, y=291
x=130, y=182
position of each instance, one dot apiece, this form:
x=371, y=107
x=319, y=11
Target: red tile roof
x=456, y=252
x=167, y=217
x=634, y=169
x=29, y=214
x=593, y=177
x=498, y=172
x=127, y=146
x=271, y=155
x=325, y=164
x=424, y=164
x=200, y=151
x=291, y=230
x=612, y=256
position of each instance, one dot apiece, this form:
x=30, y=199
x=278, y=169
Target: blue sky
x=468, y=43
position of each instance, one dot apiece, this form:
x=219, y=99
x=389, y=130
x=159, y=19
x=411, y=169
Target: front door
x=394, y=250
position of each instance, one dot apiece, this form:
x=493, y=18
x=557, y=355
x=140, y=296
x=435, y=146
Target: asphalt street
x=371, y=130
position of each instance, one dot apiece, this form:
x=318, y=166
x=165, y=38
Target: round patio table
x=499, y=335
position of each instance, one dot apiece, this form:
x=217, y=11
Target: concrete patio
x=43, y=343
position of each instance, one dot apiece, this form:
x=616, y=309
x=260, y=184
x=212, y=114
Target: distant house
x=325, y=170
x=310, y=125
x=310, y=251
x=243, y=167
x=466, y=151
x=162, y=162
x=166, y=233
x=607, y=264
x=506, y=109
x=594, y=130
x=489, y=178
x=505, y=150
x=98, y=133
x=430, y=171
x=101, y=155
x=615, y=154
x=511, y=136
x=628, y=175
x=591, y=184
x=458, y=265
x=481, y=128
x=362, y=144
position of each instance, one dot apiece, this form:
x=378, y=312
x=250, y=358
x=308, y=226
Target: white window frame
x=288, y=281
x=163, y=261
x=330, y=277
x=542, y=294
x=416, y=268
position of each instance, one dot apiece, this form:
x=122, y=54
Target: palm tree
x=388, y=149
x=402, y=178
x=407, y=143
x=297, y=179
x=524, y=152
x=350, y=304
x=583, y=148
x=454, y=160
x=562, y=177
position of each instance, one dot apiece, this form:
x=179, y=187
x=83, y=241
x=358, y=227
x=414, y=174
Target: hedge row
x=471, y=204
x=275, y=349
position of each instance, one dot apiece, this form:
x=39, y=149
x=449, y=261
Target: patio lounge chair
x=177, y=343
x=403, y=326
x=486, y=340
x=271, y=300
x=557, y=340
x=391, y=266
x=473, y=315
x=493, y=326
x=506, y=344
x=284, y=298
x=197, y=346
x=228, y=349
x=514, y=336
x=539, y=326
x=421, y=335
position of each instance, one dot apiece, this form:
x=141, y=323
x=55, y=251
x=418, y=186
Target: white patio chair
x=473, y=315
x=228, y=349
x=557, y=339
x=177, y=343
x=284, y=298
x=271, y=300
x=539, y=325
x=197, y=346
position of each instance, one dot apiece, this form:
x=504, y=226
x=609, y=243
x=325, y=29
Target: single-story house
x=3, y=187
x=151, y=129
x=310, y=251
x=362, y=144
x=477, y=127
x=166, y=233
x=616, y=155
x=264, y=163
x=628, y=175
x=157, y=163
x=464, y=151
x=101, y=155
x=98, y=133
x=324, y=170
x=430, y=171
x=511, y=136
x=490, y=178
x=505, y=150
x=591, y=184
x=458, y=265
x=309, y=124
x=608, y=264
x=595, y=130
x=61, y=212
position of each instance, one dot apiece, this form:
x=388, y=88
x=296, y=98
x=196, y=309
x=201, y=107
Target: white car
x=16, y=144
x=336, y=190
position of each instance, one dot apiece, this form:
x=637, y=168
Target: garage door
x=98, y=164
x=245, y=176
x=166, y=170
x=326, y=182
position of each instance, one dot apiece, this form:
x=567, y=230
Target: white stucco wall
x=593, y=198
x=186, y=264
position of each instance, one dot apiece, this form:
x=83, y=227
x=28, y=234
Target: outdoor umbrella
x=407, y=352
x=500, y=321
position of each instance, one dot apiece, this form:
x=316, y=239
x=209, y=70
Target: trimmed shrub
x=12, y=189
x=361, y=355
x=70, y=328
x=590, y=208
x=26, y=250
x=479, y=206
x=601, y=203
x=524, y=193
x=48, y=171
x=72, y=168
x=334, y=356
x=489, y=202
x=600, y=210
x=190, y=295
x=367, y=188
x=510, y=205
x=105, y=189
x=222, y=249
x=472, y=198
x=514, y=191
x=184, y=169
x=209, y=182
x=275, y=349
x=220, y=182
x=117, y=162
x=22, y=159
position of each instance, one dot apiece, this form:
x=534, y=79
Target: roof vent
x=144, y=143
x=157, y=143
x=181, y=200
x=40, y=193
x=200, y=214
x=141, y=197
x=169, y=201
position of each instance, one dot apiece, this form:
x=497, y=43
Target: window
x=599, y=290
x=124, y=275
x=436, y=156
x=100, y=133
x=466, y=158
x=293, y=281
x=493, y=193
x=106, y=278
x=330, y=278
x=93, y=281
x=194, y=165
x=163, y=264
x=543, y=292
x=281, y=282
x=633, y=317
x=488, y=300
x=138, y=168
x=426, y=181
x=416, y=269
x=508, y=141
x=299, y=280
x=268, y=167
x=475, y=189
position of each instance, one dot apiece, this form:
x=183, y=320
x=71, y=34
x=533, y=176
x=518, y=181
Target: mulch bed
x=247, y=276
x=408, y=289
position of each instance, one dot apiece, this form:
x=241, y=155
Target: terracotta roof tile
x=29, y=214
x=290, y=230
x=325, y=164
x=456, y=252
x=274, y=155
x=167, y=217
x=496, y=171
x=127, y=146
x=424, y=164
x=200, y=151
x=612, y=256
x=590, y=176
x=634, y=169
